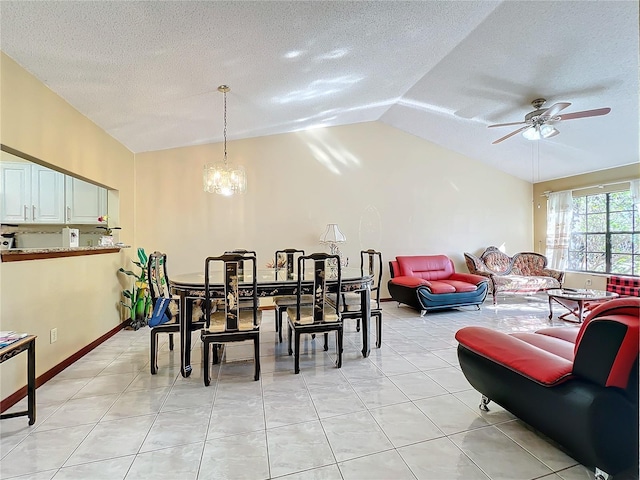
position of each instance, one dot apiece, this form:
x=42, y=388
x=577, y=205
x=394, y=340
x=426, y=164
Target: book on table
x=8, y=337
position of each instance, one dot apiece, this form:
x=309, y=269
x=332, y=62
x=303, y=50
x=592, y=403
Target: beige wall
x=79, y=295
x=614, y=176
x=385, y=189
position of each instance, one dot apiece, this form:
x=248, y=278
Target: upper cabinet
x=85, y=201
x=32, y=193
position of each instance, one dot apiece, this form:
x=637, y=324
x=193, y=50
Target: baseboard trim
x=15, y=397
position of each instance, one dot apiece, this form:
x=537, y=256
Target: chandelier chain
x=224, y=131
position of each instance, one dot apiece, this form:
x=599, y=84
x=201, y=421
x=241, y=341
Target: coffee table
x=574, y=300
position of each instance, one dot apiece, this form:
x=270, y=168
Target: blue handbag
x=159, y=314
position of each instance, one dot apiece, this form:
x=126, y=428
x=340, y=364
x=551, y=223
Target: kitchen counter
x=22, y=254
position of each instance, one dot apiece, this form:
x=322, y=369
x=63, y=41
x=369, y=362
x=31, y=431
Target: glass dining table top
x=265, y=275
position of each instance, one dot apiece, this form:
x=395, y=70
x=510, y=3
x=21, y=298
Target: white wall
x=385, y=189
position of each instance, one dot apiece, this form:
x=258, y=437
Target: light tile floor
x=406, y=412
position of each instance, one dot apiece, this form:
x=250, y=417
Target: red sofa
x=430, y=282
x=577, y=385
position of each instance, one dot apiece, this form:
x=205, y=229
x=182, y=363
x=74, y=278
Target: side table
x=27, y=344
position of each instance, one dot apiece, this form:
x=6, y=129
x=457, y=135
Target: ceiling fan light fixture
x=538, y=132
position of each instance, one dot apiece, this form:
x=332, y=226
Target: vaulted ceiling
x=147, y=72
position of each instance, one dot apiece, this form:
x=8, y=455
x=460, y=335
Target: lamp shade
x=332, y=235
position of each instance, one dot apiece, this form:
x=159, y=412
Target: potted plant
x=138, y=300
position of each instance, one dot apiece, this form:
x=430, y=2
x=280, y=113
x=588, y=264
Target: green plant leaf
x=142, y=256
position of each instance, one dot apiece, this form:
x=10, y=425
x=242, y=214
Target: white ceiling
x=147, y=72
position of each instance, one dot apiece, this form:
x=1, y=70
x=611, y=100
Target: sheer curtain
x=634, y=186
x=559, y=215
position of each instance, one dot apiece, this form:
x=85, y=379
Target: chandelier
x=223, y=178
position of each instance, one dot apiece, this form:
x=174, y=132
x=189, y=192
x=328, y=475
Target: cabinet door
x=47, y=195
x=16, y=192
x=85, y=201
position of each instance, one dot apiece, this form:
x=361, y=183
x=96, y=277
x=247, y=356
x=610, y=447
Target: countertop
x=20, y=254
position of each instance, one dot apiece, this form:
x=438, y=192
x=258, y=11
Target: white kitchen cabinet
x=85, y=202
x=31, y=194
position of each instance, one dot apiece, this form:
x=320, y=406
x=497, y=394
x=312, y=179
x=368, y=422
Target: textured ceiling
x=147, y=72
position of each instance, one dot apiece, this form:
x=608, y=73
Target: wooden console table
x=28, y=344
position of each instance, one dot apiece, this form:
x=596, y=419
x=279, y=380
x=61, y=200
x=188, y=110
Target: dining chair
x=322, y=316
x=242, y=251
x=159, y=288
x=371, y=264
x=236, y=321
x=286, y=261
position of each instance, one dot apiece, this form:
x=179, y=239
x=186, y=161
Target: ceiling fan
x=539, y=123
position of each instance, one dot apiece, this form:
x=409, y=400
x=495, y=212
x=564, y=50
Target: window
x=605, y=234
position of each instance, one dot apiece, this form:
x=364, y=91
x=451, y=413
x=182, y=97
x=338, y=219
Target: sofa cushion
x=460, y=286
x=528, y=263
x=524, y=284
x=548, y=343
x=427, y=267
x=438, y=286
x=406, y=281
x=568, y=334
x=496, y=261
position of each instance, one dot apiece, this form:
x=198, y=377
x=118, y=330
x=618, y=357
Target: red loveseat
x=430, y=282
x=578, y=386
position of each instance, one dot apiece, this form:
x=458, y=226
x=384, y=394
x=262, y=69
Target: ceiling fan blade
x=506, y=124
x=586, y=113
x=515, y=132
x=554, y=109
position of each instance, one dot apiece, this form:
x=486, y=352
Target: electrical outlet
x=53, y=335
x=587, y=282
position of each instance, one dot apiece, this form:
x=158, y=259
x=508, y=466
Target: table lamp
x=332, y=237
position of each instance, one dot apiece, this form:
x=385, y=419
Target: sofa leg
x=423, y=313
x=484, y=401
x=600, y=475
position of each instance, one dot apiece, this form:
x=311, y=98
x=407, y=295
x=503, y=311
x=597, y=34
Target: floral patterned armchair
x=524, y=272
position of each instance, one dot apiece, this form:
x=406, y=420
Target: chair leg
x=256, y=352
x=171, y=341
x=215, y=353
x=357, y=324
x=154, y=352
x=326, y=341
x=339, y=342
x=206, y=367
x=296, y=365
x=290, y=350
x=279, y=312
x=378, y=329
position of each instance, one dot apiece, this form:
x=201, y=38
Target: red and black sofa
x=430, y=282
x=577, y=385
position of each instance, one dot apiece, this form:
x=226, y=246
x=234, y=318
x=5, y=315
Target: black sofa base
x=422, y=299
x=597, y=426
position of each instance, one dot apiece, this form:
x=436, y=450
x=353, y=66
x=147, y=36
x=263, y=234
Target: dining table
x=270, y=282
